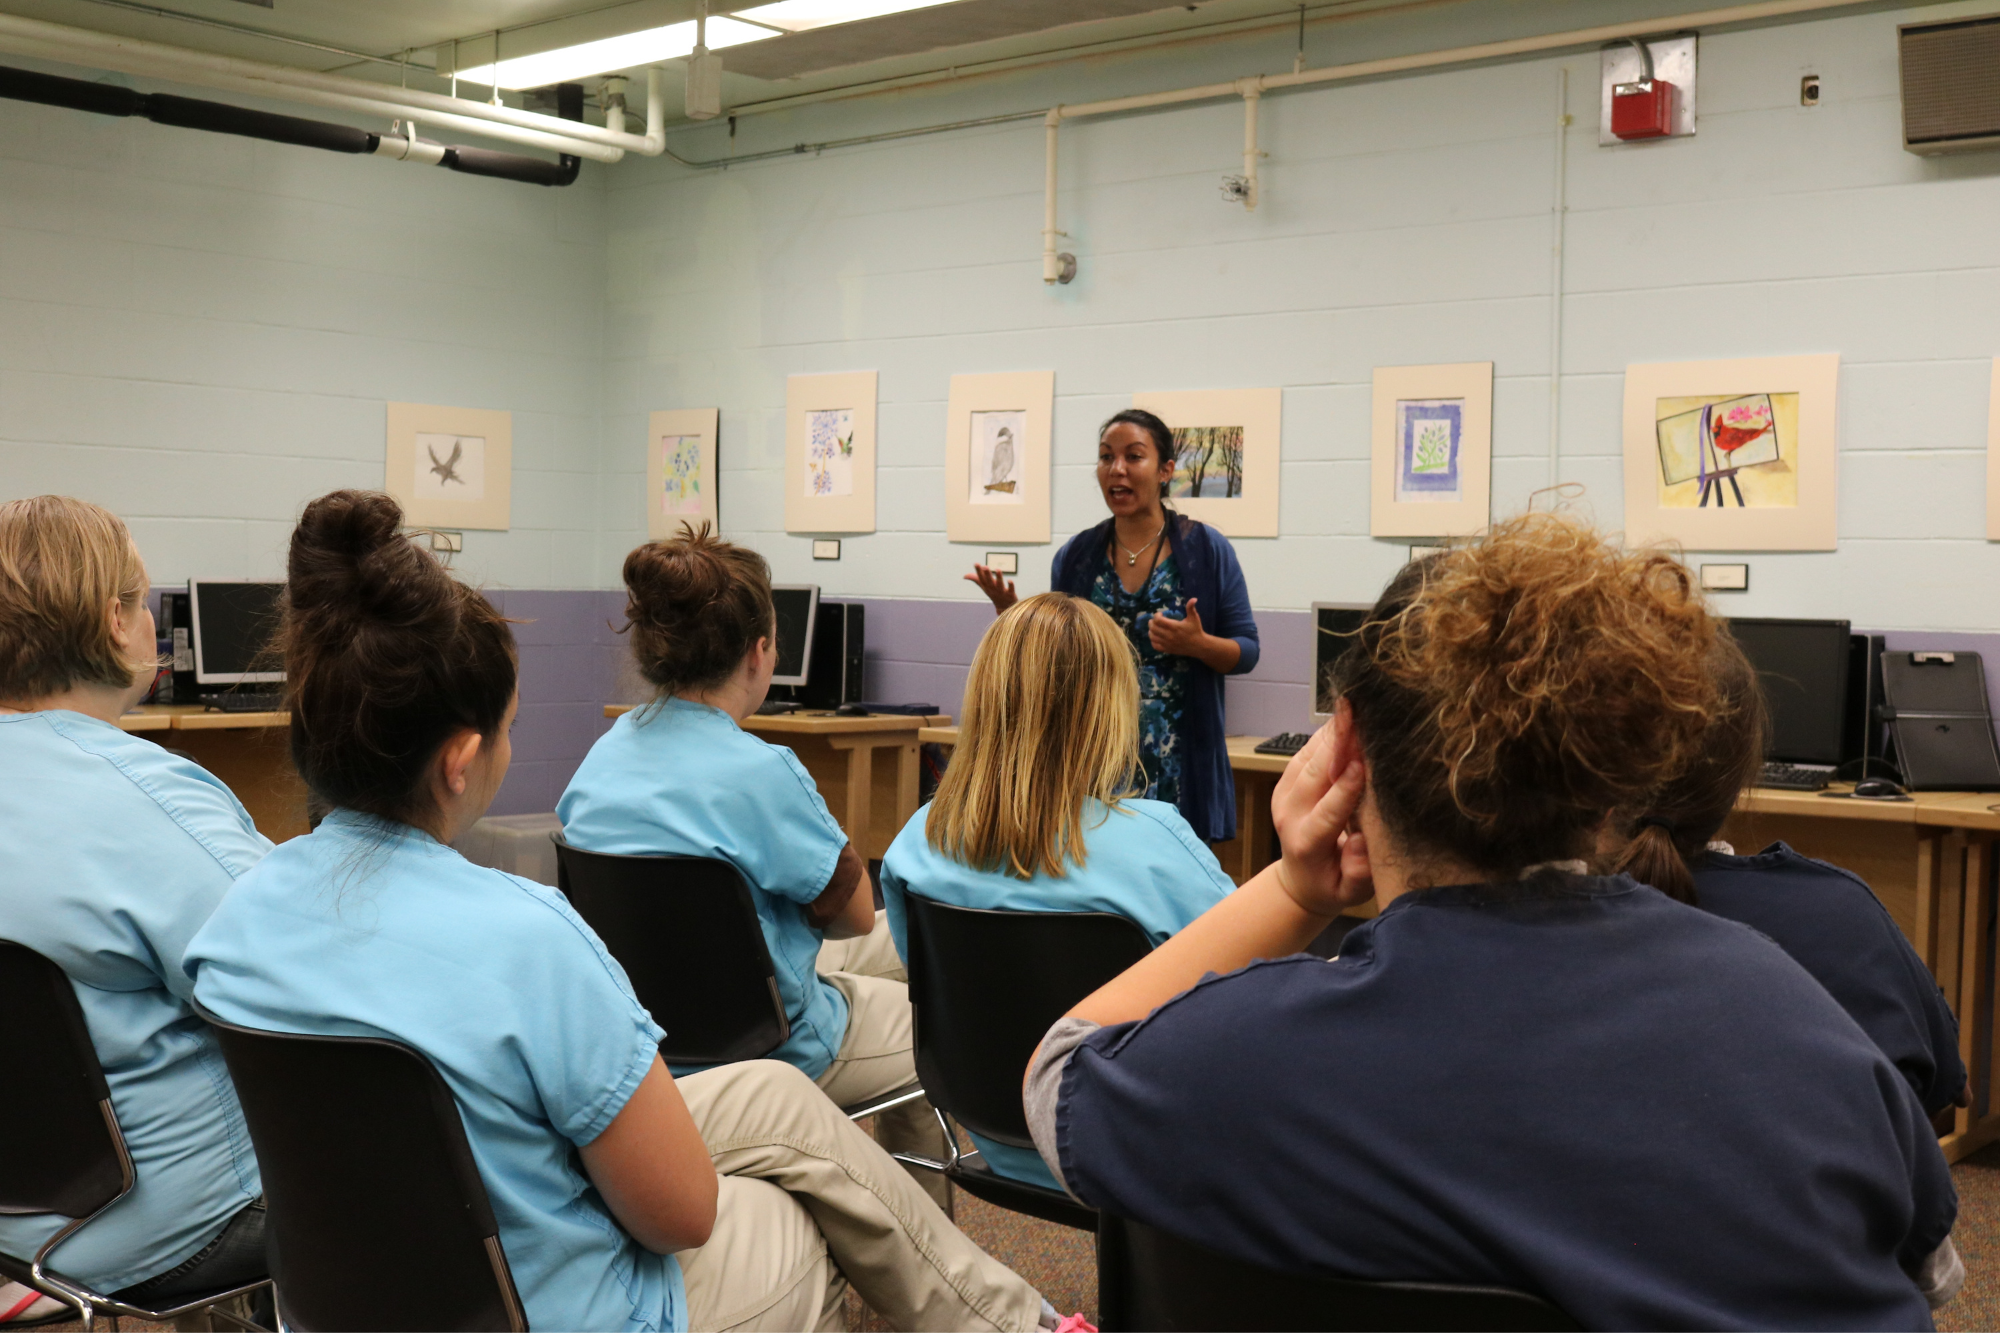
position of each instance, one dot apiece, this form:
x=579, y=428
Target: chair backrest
x=60, y=1147
x=378, y=1217
x=1151, y=1279
x=987, y=986
x=686, y=932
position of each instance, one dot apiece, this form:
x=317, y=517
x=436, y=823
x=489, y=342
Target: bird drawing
x=1001, y=465
x=447, y=469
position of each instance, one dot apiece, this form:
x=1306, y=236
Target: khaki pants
x=809, y=1203
x=878, y=1053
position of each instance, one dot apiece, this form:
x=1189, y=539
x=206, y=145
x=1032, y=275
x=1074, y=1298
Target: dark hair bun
x=350, y=557
x=696, y=606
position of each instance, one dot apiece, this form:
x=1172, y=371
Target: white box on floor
x=517, y=844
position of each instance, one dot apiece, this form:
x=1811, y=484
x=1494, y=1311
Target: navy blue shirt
x=1836, y=929
x=1574, y=1086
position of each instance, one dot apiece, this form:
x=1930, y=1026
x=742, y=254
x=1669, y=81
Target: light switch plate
x=1003, y=562
x=1725, y=578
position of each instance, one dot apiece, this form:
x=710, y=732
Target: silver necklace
x=1132, y=556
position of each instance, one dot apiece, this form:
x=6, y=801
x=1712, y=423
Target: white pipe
x=1457, y=55
x=128, y=55
x=1051, y=267
x=1251, y=97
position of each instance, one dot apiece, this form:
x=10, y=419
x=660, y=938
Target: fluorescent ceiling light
x=633, y=49
x=802, y=15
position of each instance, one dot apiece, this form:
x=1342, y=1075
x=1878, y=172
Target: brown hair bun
x=695, y=607
x=386, y=656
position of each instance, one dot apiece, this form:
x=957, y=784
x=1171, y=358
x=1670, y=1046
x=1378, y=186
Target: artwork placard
x=1431, y=464
x=1732, y=455
x=996, y=468
x=830, y=453
x=450, y=467
x=1227, y=452
x=680, y=471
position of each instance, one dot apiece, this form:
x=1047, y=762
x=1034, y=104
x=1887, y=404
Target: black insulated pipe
x=106, y=99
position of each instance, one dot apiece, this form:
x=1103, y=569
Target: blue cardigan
x=1211, y=576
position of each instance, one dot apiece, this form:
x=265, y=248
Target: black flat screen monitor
x=1334, y=625
x=1802, y=665
x=234, y=623
x=797, y=605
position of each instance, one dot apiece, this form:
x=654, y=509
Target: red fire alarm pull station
x=1643, y=110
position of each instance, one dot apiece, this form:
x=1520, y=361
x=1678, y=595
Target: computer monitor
x=797, y=605
x=1802, y=665
x=233, y=625
x=1334, y=626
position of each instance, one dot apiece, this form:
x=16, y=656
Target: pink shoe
x=1075, y=1323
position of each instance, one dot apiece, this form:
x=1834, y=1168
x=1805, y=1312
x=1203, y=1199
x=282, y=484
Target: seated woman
x=1518, y=1074
x=117, y=851
x=680, y=777
x=1036, y=811
x=1824, y=917
x=599, y=1164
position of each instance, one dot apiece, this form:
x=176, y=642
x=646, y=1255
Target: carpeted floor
x=1063, y=1266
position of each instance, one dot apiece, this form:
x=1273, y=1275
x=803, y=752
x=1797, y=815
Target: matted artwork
x=680, y=470
x=830, y=453
x=997, y=457
x=1732, y=455
x=1993, y=455
x=1431, y=463
x=1227, y=454
x=450, y=467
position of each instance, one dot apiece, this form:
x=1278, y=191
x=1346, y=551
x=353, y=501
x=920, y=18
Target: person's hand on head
x=1315, y=810
x=998, y=588
x=1181, y=636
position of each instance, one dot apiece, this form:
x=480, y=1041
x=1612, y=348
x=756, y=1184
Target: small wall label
x=1003, y=562
x=1725, y=578
x=826, y=549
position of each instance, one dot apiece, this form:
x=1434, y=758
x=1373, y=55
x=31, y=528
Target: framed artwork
x=680, y=471
x=1430, y=470
x=996, y=458
x=1733, y=455
x=1993, y=456
x=830, y=453
x=450, y=467
x=1226, y=455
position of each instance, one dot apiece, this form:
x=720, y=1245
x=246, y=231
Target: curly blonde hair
x=1513, y=691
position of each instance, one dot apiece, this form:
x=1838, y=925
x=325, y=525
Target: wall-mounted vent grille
x=1951, y=84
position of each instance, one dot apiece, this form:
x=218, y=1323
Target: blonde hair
x=62, y=562
x=1051, y=722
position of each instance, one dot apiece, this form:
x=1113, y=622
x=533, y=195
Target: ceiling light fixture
x=805, y=15
x=630, y=51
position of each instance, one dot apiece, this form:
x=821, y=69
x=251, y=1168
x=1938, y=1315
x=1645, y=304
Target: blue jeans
x=233, y=1259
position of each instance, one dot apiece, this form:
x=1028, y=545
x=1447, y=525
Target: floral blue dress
x=1164, y=678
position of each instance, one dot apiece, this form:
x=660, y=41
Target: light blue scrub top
x=114, y=854
x=1141, y=861
x=369, y=929
x=682, y=779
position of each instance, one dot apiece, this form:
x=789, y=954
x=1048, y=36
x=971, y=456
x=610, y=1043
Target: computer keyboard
x=234, y=701
x=1285, y=742
x=1795, y=777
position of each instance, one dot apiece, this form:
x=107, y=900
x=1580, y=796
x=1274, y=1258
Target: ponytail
x=1652, y=857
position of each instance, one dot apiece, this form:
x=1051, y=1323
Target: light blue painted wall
x=200, y=332
x=1405, y=220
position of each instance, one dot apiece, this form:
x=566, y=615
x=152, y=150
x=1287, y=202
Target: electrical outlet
x=447, y=541
x=1809, y=90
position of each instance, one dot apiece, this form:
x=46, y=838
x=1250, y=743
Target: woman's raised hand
x=1315, y=810
x=998, y=589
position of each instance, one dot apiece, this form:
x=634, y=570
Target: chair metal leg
x=888, y=1101
x=950, y=1141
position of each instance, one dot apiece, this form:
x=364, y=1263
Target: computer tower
x=838, y=652
x=1864, y=735
x=177, y=627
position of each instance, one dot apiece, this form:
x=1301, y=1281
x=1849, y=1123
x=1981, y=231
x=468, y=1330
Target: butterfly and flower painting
x=830, y=452
x=1737, y=451
x=680, y=471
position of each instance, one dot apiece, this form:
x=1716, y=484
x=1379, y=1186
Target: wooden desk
x=248, y=751
x=871, y=800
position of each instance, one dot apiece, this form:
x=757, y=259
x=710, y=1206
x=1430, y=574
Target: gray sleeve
x=1044, y=1086
x=1942, y=1274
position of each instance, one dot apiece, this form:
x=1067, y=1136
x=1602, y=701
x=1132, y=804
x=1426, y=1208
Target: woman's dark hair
x=386, y=657
x=696, y=605
x=1512, y=691
x=1157, y=430
x=1675, y=824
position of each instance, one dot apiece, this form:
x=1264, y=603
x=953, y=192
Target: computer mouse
x=850, y=710
x=1878, y=787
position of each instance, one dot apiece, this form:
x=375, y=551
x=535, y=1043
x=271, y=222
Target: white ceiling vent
x=920, y=30
x=1951, y=84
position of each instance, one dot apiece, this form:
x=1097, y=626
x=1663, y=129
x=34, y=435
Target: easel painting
x=1739, y=451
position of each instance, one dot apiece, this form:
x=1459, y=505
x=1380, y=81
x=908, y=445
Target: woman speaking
x=1175, y=589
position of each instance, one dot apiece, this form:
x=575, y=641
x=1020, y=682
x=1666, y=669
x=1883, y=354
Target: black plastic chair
x=987, y=986
x=686, y=932
x=1152, y=1279
x=378, y=1217
x=61, y=1150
